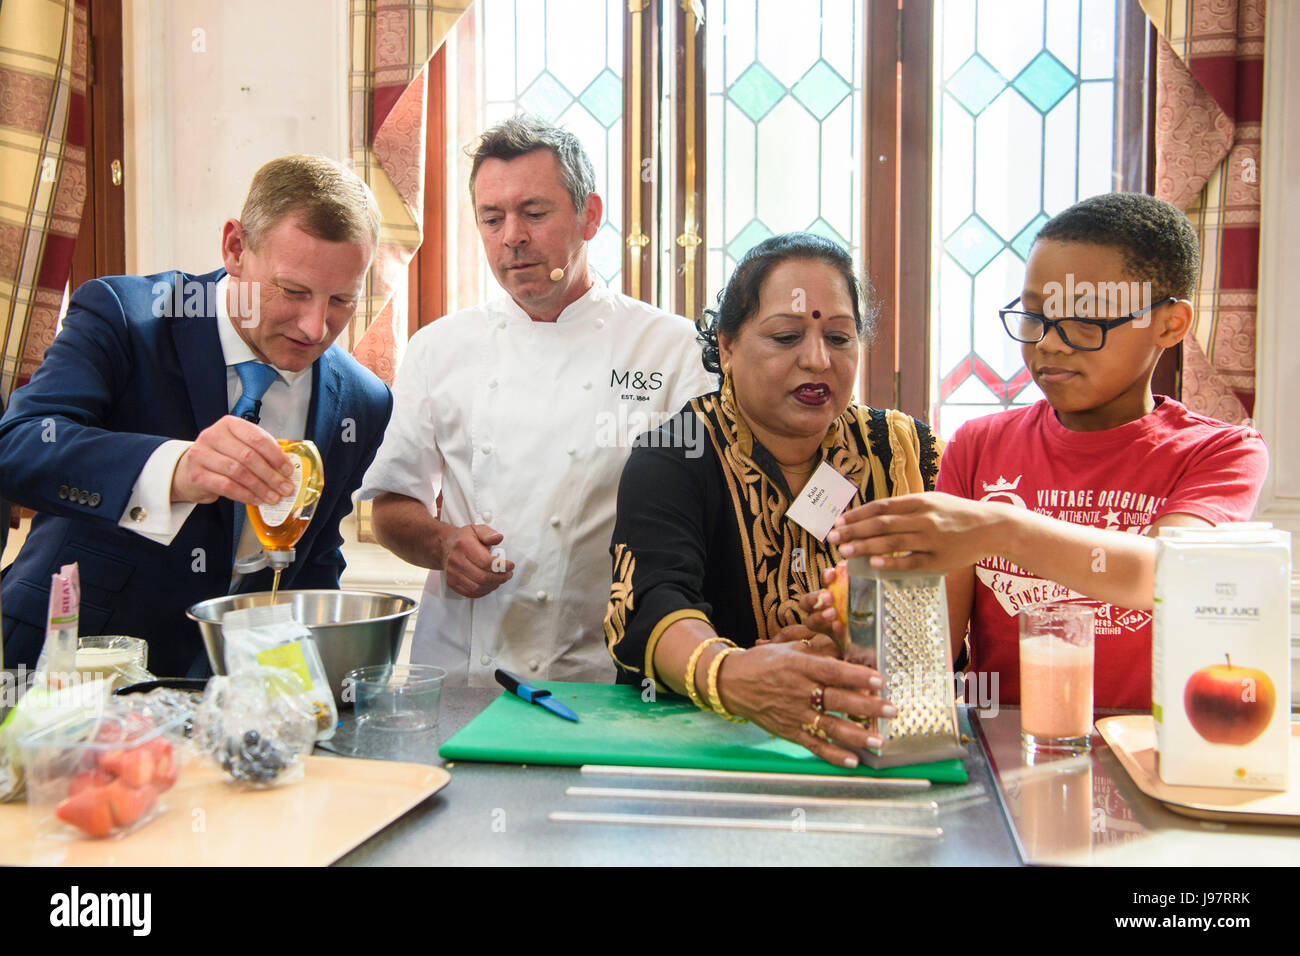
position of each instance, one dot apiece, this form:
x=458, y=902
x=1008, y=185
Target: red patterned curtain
x=1209, y=103
x=392, y=41
x=43, y=158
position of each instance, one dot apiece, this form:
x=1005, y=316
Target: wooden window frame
x=897, y=161
x=896, y=102
x=641, y=87
x=427, y=283
x=100, y=249
x=690, y=97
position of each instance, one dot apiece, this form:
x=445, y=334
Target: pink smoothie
x=1055, y=688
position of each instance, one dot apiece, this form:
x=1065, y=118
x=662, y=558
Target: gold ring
x=819, y=699
x=815, y=729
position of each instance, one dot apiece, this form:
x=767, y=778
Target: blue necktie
x=256, y=378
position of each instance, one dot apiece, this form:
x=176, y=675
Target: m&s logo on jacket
x=637, y=382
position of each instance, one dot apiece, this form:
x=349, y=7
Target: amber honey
x=280, y=526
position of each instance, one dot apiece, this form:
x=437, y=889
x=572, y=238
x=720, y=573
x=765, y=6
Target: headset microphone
x=558, y=272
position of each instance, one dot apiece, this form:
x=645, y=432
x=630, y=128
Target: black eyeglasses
x=1086, y=335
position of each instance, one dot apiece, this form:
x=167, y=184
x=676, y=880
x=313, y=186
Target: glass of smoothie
x=1056, y=678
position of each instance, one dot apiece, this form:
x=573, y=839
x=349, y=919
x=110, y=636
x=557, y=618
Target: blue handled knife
x=534, y=695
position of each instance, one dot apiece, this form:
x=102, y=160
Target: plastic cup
x=1056, y=667
x=124, y=659
x=398, y=697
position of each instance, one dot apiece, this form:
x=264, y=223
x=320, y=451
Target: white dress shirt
x=524, y=426
x=150, y=511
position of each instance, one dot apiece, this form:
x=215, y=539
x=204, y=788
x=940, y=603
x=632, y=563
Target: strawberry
x=136, y=725
x=128, y=803
x=110, y=761
x=88, y=778
x=88, y=811
x=164, y=778
x=135, y=766
x=115, y=730
x=164, y=762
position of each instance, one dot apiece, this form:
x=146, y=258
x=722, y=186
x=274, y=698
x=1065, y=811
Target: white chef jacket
x=525, y=427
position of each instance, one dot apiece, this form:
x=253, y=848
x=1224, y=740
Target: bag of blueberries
x=257, y=725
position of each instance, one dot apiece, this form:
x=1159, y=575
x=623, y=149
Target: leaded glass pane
x=562, y=60
x=784, y=125
x=1024, y=127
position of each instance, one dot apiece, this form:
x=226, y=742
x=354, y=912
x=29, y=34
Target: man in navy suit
x=125, y=445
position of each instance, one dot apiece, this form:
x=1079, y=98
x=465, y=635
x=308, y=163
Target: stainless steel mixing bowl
x=352, y=628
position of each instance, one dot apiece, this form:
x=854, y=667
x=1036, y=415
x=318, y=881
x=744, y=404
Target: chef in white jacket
x=520, y=413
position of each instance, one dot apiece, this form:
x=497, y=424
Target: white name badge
x=822, y=500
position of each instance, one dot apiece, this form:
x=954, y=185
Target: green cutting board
x=615, y=726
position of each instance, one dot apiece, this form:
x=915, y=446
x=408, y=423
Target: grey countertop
x=1075, y=811
x=496, y=814
x=1088, y=811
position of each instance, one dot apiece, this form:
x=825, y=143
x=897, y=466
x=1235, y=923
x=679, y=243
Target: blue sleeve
x=53, y=434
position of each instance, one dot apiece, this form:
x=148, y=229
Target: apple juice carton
x=1220, y=667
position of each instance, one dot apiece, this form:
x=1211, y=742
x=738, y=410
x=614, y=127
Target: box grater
x=900, y=620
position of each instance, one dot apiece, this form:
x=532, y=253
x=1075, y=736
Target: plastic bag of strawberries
x=106, y=775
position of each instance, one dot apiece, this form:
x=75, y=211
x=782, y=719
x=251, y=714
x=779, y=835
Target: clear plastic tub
x=102, y=777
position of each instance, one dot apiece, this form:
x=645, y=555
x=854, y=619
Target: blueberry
x=251, y=738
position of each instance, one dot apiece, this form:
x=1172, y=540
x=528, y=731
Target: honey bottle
x=279, y=526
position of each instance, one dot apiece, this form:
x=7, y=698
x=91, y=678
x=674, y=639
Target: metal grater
x=898, y=622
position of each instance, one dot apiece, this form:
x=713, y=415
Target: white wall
x=1278, y=339
x=213, y=89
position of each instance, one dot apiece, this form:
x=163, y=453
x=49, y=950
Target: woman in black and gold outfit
x=701, y=543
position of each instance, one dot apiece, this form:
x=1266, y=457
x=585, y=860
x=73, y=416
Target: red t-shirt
x=1171, y=461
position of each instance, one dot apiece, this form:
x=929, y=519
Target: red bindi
x=816, y=314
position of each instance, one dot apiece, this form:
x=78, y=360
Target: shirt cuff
x=150, y=511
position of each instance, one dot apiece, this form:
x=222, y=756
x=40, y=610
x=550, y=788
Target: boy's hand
x=934, y=531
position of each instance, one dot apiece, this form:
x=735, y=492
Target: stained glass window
x=1024, y=127
x=784, y=125
x=563, y=61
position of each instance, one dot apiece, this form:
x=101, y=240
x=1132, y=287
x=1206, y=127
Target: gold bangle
x=715, y=700
x=691, y=692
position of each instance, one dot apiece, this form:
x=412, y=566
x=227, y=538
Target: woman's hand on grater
x=820, y=613
x=774, y=685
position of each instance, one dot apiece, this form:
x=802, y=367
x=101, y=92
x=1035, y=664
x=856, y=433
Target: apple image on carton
x=1229, y=705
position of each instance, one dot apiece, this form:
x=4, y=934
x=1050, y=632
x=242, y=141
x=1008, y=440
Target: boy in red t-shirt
x=1060, y=501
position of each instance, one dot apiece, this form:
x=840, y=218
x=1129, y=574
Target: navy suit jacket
x=128, y=371
x=4, y=505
